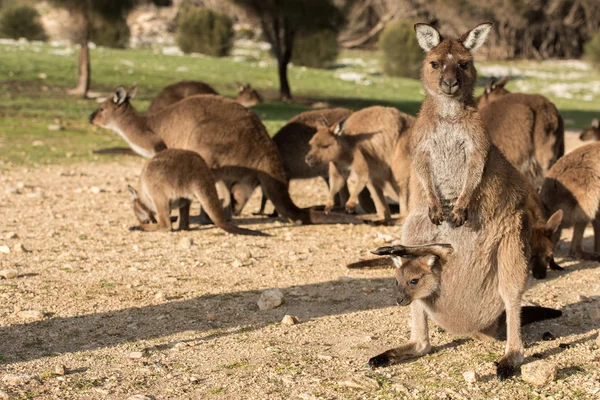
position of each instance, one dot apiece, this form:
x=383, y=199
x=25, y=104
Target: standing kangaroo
x=370, y=149
x=592, y=132
x=573, y=186
x=229, y=137
x=172, y=179
x=459, y=177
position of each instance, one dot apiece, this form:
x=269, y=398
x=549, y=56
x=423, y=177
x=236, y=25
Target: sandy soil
x=131, y=313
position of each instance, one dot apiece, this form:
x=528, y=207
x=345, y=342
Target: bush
x=200, y=30
x=316, y=50
x=402, y=55
x=113, y=34
x=592, y=50
x=22, y=21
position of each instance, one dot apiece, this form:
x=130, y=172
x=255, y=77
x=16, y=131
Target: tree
x=282, y=20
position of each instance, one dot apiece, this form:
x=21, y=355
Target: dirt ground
x=133, y=314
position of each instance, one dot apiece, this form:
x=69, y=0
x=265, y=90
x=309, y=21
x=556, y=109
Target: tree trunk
x=285, y=93
x=84, y=69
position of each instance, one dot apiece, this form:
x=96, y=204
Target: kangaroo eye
x=324, y=146
x=464, y=64
x=434, y=65
x=414, y=281
x=101, y=109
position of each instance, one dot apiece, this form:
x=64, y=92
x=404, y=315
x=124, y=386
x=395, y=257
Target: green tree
x=282, y=20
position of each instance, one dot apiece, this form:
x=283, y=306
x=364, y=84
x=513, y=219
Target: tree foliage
x=402, y=55
x=21, y=21
x=200, y=30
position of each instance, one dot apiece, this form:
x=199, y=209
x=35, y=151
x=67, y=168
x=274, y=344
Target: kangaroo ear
x=427, y=36
x=120, y=95
x=132, y=192
x=553, y=223
x=240, y=87
x=595, y=123
x=503, y=81
x=476, y=37
x=439, y=250
x=132, y=91
x=323, y=122
x=490, y=85
x=339, y=128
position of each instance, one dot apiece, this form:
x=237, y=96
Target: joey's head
x=326, y=143
x=494, y=90
x=247, y=96
x=543, y=240
x=418, y=270
x=111, y=110
x=448, y=70
x=142, y=212
x=592, y=132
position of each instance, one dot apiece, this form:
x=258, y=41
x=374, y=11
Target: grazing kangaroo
x=370, y=149
x=172, y=179
x=459, y=177
x=549, y=129
x=247, y=96
x=573, y=186
x=459, y=298
x=229, y=137
x=592, y=132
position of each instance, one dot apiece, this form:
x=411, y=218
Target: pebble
x=159, y=296
x=538, y=373
x=12, y=235
x=19, y=248
x=136, y=354
x=139, y=397
x=9, y=273
x=31, y=314
x=5, y=249
x=360, y=382
x=594, y=314
x=16, y=379
x=270, y=299
x=237, y=263
x=471, y=376
x=211, y=317
x=60, y=370
x=289, y=320
x=95, y=190
x=185, y=243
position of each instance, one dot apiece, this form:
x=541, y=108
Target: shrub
x=316, y=50
x=402, y=55
x=113, y=34
x=203, y=31
x=592, y=50
x=22, y=21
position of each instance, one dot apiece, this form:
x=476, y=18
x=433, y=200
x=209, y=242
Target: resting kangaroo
x=171, y=94
x=573, y=186
x=592, y=132
x=459, y=177
x=549, y=131
x=369, y=149
x=172, y=179
x=229, y=137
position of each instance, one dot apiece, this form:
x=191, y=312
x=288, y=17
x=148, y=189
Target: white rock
x=471, y=376
x=270, y=299
x=538, y=373
x=12, y=235
x=289, y=320
x=5, y=249
x=9, y=273
x=31, y=314
x=55, y=127
x=136, y=354
x=96, y=190
x=360, y=382
x=16, y=379
x=237, y=263
x=60, y=370
x=186, y=243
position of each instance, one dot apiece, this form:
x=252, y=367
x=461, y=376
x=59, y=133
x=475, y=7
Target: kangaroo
x=573, y=186
x=247, y=96
x=172, y=179
x=549, y=129
x=358, y=149
x=458, y=298
x=592, y=132
x=465, y=193
x=229, y=137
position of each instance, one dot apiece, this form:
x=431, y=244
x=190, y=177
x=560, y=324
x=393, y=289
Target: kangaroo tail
x=374, y=262
x=227, y=227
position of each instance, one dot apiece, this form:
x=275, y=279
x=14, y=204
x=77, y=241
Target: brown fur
x=456, y=168
x=247, y=96
x=573, y=186
x=592, y=132
x=231, y=139
x=172, y=179
x=549, y=131
x=358, y=151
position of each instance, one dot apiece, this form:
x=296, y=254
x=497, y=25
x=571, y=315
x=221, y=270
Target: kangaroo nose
x=450, y=86
x=91, y=117
x=308, y=159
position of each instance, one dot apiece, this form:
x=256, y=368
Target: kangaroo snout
x=309, y=159
x=450, y=86
x=92, y=116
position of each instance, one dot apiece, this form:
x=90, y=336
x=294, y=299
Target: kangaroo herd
x=483, y=186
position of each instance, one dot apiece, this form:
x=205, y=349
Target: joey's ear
x=339, y=128
x=476, y=37
x=439, y=250
x=432, y=261
x=553, y=223
x=132, y=91
x=490, y=85
x=595, y=123
x=427, y=36
x=240, y=87
x=503, y=81
x=120, y=95
x=323, y=122
x=132, y=192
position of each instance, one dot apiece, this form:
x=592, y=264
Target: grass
x=34, y=76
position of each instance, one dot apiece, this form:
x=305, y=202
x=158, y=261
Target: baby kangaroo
x=592, y=132
x=436, y=290
x=172, y=179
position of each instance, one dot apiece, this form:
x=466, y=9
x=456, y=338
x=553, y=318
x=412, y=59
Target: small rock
x=136, y=354
x=325, y=357
x=55, y=127
x=96, y=190
x=471, y=376
x=16, y=379
x=139, y=397
x=179, y=346
x=159, y=296
x=5, y=249
x=60, y=370
x=385, y=237
x=289, y=320
x=538, y=373
x=31, y=314
x=194, y=379
x=582, y=299
x=185, y=243
x=546, y=336
x=12, y=235
x=237, y=263
x=270, y=299
x=19, y=248
x=211, y=317
x=594, y=314
x=42, y=75
x=37, y=143
x=360, y=382
x=9, y=273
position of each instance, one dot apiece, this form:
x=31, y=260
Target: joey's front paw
x=381, y=360
x=458, y=216
x=328, y=206
x=351, y=207
x=436, y=213
x=504, y=369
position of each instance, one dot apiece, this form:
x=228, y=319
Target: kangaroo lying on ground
x=549, y=130
x=172, y=179
x=229, y=137
x=171, y=94
x=592, y=132
x=573, y=186
x=457, y=297
x=459, y=177
x=359, y=151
